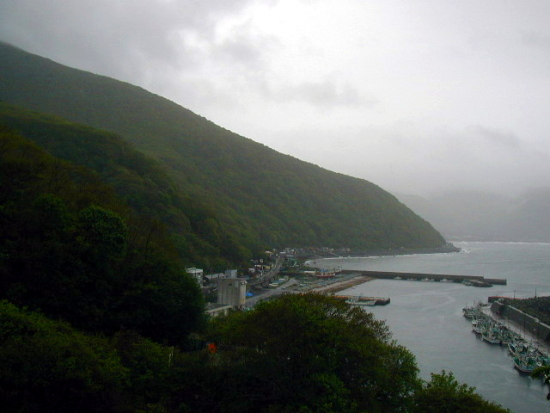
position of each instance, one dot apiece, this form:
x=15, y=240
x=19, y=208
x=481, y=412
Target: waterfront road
x=266, y=278
x=272, y=292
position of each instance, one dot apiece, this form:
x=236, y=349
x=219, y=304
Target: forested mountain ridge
x=264, y=198
x=139, y=181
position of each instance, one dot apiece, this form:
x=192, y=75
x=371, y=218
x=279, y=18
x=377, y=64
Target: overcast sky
x=413, y=95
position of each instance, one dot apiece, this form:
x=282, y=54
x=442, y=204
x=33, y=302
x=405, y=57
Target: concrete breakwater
x=525, y=323
x=339, y=285
x=475, y=280
x=362, y=300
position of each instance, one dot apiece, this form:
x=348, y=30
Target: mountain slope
x=138, y=180
x=72, y=249
x=265, y=198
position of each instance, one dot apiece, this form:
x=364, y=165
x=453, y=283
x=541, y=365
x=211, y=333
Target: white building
x=232, y=291
x=197, y=273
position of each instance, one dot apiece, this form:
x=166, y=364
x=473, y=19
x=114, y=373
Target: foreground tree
x=295, y=354
x=73, y=250
x=544, y=374
x=46, y=366
x=444, y=394
x=313, y=353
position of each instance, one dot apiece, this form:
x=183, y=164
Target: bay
x=426, y=317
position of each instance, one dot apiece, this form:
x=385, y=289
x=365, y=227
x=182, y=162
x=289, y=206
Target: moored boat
x=491, y=337
x=469, y=312
x=524, y=365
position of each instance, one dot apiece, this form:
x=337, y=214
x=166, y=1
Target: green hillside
x=264, y=198
x=138, y=180
x=72, y=249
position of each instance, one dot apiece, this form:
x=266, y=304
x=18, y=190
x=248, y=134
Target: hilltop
x=263, y=198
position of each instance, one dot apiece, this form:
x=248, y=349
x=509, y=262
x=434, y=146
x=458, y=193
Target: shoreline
x=449, y=249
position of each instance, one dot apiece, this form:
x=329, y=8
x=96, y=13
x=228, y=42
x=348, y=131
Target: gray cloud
x=536, y=39
x=244, y=46
x=117, y=38
x=498, y=137
x=328, y=92
x=383, y=90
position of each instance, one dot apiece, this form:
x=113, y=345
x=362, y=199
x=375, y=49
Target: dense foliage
x=263, y=197
x=320, y=356
x=71, y=248
x=48, y=366
x=139, y=181
x=314, y=353
x=444, y=394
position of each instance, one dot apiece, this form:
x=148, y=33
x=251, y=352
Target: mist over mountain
x=480, y=216
x=263, y=198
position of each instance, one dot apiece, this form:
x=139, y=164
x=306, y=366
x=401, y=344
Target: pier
x=361, y=300
x=475, y=280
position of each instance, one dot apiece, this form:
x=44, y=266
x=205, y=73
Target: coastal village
x=496, y=322
x=290, y=271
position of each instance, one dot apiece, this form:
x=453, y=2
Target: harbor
x=333, y=280
x=427, y=317
x=528, y=352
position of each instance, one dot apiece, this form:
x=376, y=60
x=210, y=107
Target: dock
x=361, y=300
x=474, y=280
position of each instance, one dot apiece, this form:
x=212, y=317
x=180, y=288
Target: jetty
x=474, y=280
x=362, y=300
x=336, y=284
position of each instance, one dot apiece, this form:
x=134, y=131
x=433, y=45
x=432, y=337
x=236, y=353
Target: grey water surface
x=426, y=317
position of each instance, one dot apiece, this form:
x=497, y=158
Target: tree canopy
x=70, y=248
x=444, y=394
x=299, y=353
x=315, y=353
x=138, y=181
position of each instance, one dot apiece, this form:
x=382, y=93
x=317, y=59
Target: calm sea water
x=427, y=317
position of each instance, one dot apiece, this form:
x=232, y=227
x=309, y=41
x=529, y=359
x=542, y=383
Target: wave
x=502, y=242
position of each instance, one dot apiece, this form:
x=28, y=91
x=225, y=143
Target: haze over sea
x=426, y=317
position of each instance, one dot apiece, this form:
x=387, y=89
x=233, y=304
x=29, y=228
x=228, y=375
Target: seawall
x=435, y=277
x=523, y=321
